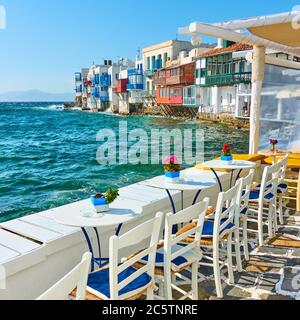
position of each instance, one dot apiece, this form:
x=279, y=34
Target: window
x=165, y=58
x=148, y=63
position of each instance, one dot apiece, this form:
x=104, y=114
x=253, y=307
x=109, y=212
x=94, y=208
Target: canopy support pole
x=258, y=70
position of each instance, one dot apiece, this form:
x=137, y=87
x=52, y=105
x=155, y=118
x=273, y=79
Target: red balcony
x=180, y=75
x=170, y=95
x=121, y=86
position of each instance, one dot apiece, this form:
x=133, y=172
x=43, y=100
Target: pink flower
x=170, y=160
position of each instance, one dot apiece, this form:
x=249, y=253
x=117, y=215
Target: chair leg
x=161, y=288
x=238, y=250
x=195, y=280
x=260, y=226
x=274, y=216
x=280, y=209
x=245, y=239
x=168, y=285
x=271, y=219
x=217, y=272
x=150, y=293
x=229, y=259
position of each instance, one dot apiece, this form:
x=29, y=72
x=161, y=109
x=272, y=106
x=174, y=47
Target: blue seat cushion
x=282, y=188
x=208, y=228
x=244, y=211
x=99, y=281
x=178, y=263
x=254, y=195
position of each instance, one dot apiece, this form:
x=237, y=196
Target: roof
x=233, y=48
x=282, y=33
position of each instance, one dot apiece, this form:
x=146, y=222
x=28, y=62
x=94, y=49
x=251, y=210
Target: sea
x=48, y=155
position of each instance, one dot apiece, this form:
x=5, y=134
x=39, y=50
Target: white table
x=235, y=165
x=117, y=216
x=187, y=182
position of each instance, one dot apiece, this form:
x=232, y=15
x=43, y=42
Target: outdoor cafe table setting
x=232, y=166
x=186, y=182
x=84, y=216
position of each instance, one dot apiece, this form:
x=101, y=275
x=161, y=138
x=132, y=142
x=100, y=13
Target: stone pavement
x=273, y=272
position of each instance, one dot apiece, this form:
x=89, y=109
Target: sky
x=46, y=41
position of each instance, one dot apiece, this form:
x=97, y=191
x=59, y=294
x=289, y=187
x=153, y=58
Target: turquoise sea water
x=48, y=156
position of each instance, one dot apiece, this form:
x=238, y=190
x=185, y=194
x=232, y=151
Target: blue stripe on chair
x=254, y=195
x=208, y=228
x=99, y=281
x=159, y=261
x=282, y=188
x=244, y=211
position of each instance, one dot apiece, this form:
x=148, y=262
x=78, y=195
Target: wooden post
x=258, y=70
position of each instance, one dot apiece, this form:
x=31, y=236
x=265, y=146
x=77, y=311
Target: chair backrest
x=283, y=166
x=77, y=278
x=225, y=215
x=242, y=200
x=195, y=213
x=148, y=230
x=270, y=181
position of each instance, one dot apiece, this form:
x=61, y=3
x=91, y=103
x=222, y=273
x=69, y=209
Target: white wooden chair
x=217, y=229
x=174, y=256
x=123, y=281
x=242, y=201
x=77, y=278
x=282, y=187
x=265, y=197
x=179, y=256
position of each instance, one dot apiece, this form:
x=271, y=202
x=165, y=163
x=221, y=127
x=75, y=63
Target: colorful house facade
x=224, y=78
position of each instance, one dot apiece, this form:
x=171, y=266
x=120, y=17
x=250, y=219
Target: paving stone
x=273, y=250
x=290, y=231
x=261, y=264
x=266, y=296
x=235, y=293
x=296, y=252
x=283, y=241
x=268, y=282
x=246, y=279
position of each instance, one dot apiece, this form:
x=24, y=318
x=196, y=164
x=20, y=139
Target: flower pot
x=172, y=177
x=100, y=205
x=227, y=159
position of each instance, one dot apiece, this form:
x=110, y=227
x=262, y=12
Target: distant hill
x=35, y=96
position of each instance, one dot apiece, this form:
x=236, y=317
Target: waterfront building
x=119, y=88
x=157, y=56
x=224, y=78
x=98, y=82
x=80, y=86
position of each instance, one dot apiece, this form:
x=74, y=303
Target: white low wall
x=37, y=252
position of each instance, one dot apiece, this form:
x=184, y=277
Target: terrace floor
x=273, y=272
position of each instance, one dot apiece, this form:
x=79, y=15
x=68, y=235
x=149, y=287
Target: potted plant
x=273, y=143
x=101, y=202
x=226, y=154
x=172, y=169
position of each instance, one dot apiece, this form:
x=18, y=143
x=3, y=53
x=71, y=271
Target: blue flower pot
x=172, y=177
x=227, y=159
x=100, y=204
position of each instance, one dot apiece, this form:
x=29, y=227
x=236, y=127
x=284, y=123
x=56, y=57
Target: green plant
x=111, y=195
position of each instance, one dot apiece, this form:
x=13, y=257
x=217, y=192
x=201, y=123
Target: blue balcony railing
x=135, y=86
x=105, y=80
x=104, y=98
